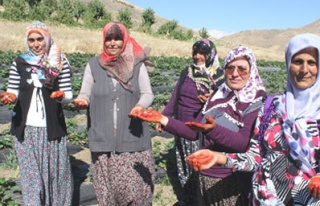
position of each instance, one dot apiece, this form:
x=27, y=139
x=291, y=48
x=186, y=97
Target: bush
x=125, y=18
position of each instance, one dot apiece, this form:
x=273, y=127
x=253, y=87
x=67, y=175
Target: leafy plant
x=76, y=136
x=5, y=186
x=10, y=160
x=148, y=20
x=203, y=33
x=124, y=17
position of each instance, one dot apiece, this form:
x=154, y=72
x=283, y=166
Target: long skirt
x=45, y=172
x=187, y=176
x=122, y=179
x=222, y=191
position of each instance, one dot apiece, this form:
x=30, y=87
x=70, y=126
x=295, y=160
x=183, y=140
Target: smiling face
x=304, y=68
x=36, y=43
x=237, y=73
x=199, y=59
x=113, y=45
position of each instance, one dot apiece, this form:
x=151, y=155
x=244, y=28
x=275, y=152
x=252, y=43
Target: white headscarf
x=248, y=93
x=297, y=107
x=253, y=90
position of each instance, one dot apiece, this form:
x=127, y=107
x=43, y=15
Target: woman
x=232, y=110
x=115, y=84
x=196, y=83
x=39, y=82
x=285, y=157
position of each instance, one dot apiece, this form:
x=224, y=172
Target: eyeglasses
x=39, y=39
x=241, y=70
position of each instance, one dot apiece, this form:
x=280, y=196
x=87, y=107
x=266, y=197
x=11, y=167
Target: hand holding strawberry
x=80, y=103
x=314, y=186
x=57, y=95
x=202, y=159
x=147, y=115
x=8, y=97
x=197, y=126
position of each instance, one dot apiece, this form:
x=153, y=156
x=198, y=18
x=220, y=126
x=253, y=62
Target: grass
x=75, y=39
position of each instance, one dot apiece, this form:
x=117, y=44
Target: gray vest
x=131, y=135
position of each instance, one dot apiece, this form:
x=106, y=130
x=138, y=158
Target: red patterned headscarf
x=121, y=66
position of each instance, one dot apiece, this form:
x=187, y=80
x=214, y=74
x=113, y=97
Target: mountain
x=267, y=44
x=274, y=40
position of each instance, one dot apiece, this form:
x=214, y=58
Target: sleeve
x=146, y=94
x=249, y=160
x=64, y=81
x=168, y=110
x=86, y=85
x=178, y=128
x=14, y=79
x=234, y=141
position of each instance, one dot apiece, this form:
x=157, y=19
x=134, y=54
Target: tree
x=203, y=33
x=79, y=9
x=168, y=27
x=64, y=13
x=95, y=15
x=124, y=17
x=39, y=12
x=15, y=10
x=33, y=3
x=148, y=20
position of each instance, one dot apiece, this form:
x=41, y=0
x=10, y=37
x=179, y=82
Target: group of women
x=231, y=147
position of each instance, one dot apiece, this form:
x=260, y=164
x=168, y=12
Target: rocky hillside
x=267, y=44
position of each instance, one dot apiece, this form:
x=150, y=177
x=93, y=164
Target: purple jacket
x=189, y=104
x=221, y=138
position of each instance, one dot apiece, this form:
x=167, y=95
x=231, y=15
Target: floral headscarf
x=297, y=107
x=227, y=98
x=209, y=75
x=49, y=64
x=121, y=66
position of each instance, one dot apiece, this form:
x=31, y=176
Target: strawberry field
x=163, y=79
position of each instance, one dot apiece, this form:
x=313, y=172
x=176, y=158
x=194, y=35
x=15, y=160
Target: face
x=304, y=68
x=199, y=59
x=113, y=45
x=37, y=43
x=237, y=73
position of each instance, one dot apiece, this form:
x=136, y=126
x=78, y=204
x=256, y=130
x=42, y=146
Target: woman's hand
x=203, y=98
x=80, y=103
x=202, y=159
x=57, y=95
x=8, y=97
x=159, y=128
x=197, y=126
x=148, y=115
x=314, y=186
x=136, y=108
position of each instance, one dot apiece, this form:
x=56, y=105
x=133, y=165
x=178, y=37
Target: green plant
x=5, y=186
x=156, y=147
x=15, y=10
x=10, y=160
x=6, y=142
x=74, y=135
x=96, y=15
x=203, y=33
x=124, y=17
x=148, y=20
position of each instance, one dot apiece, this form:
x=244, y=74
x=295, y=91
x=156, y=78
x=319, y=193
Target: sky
x=232, y=16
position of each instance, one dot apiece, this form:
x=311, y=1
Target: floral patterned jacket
x=277, y=179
